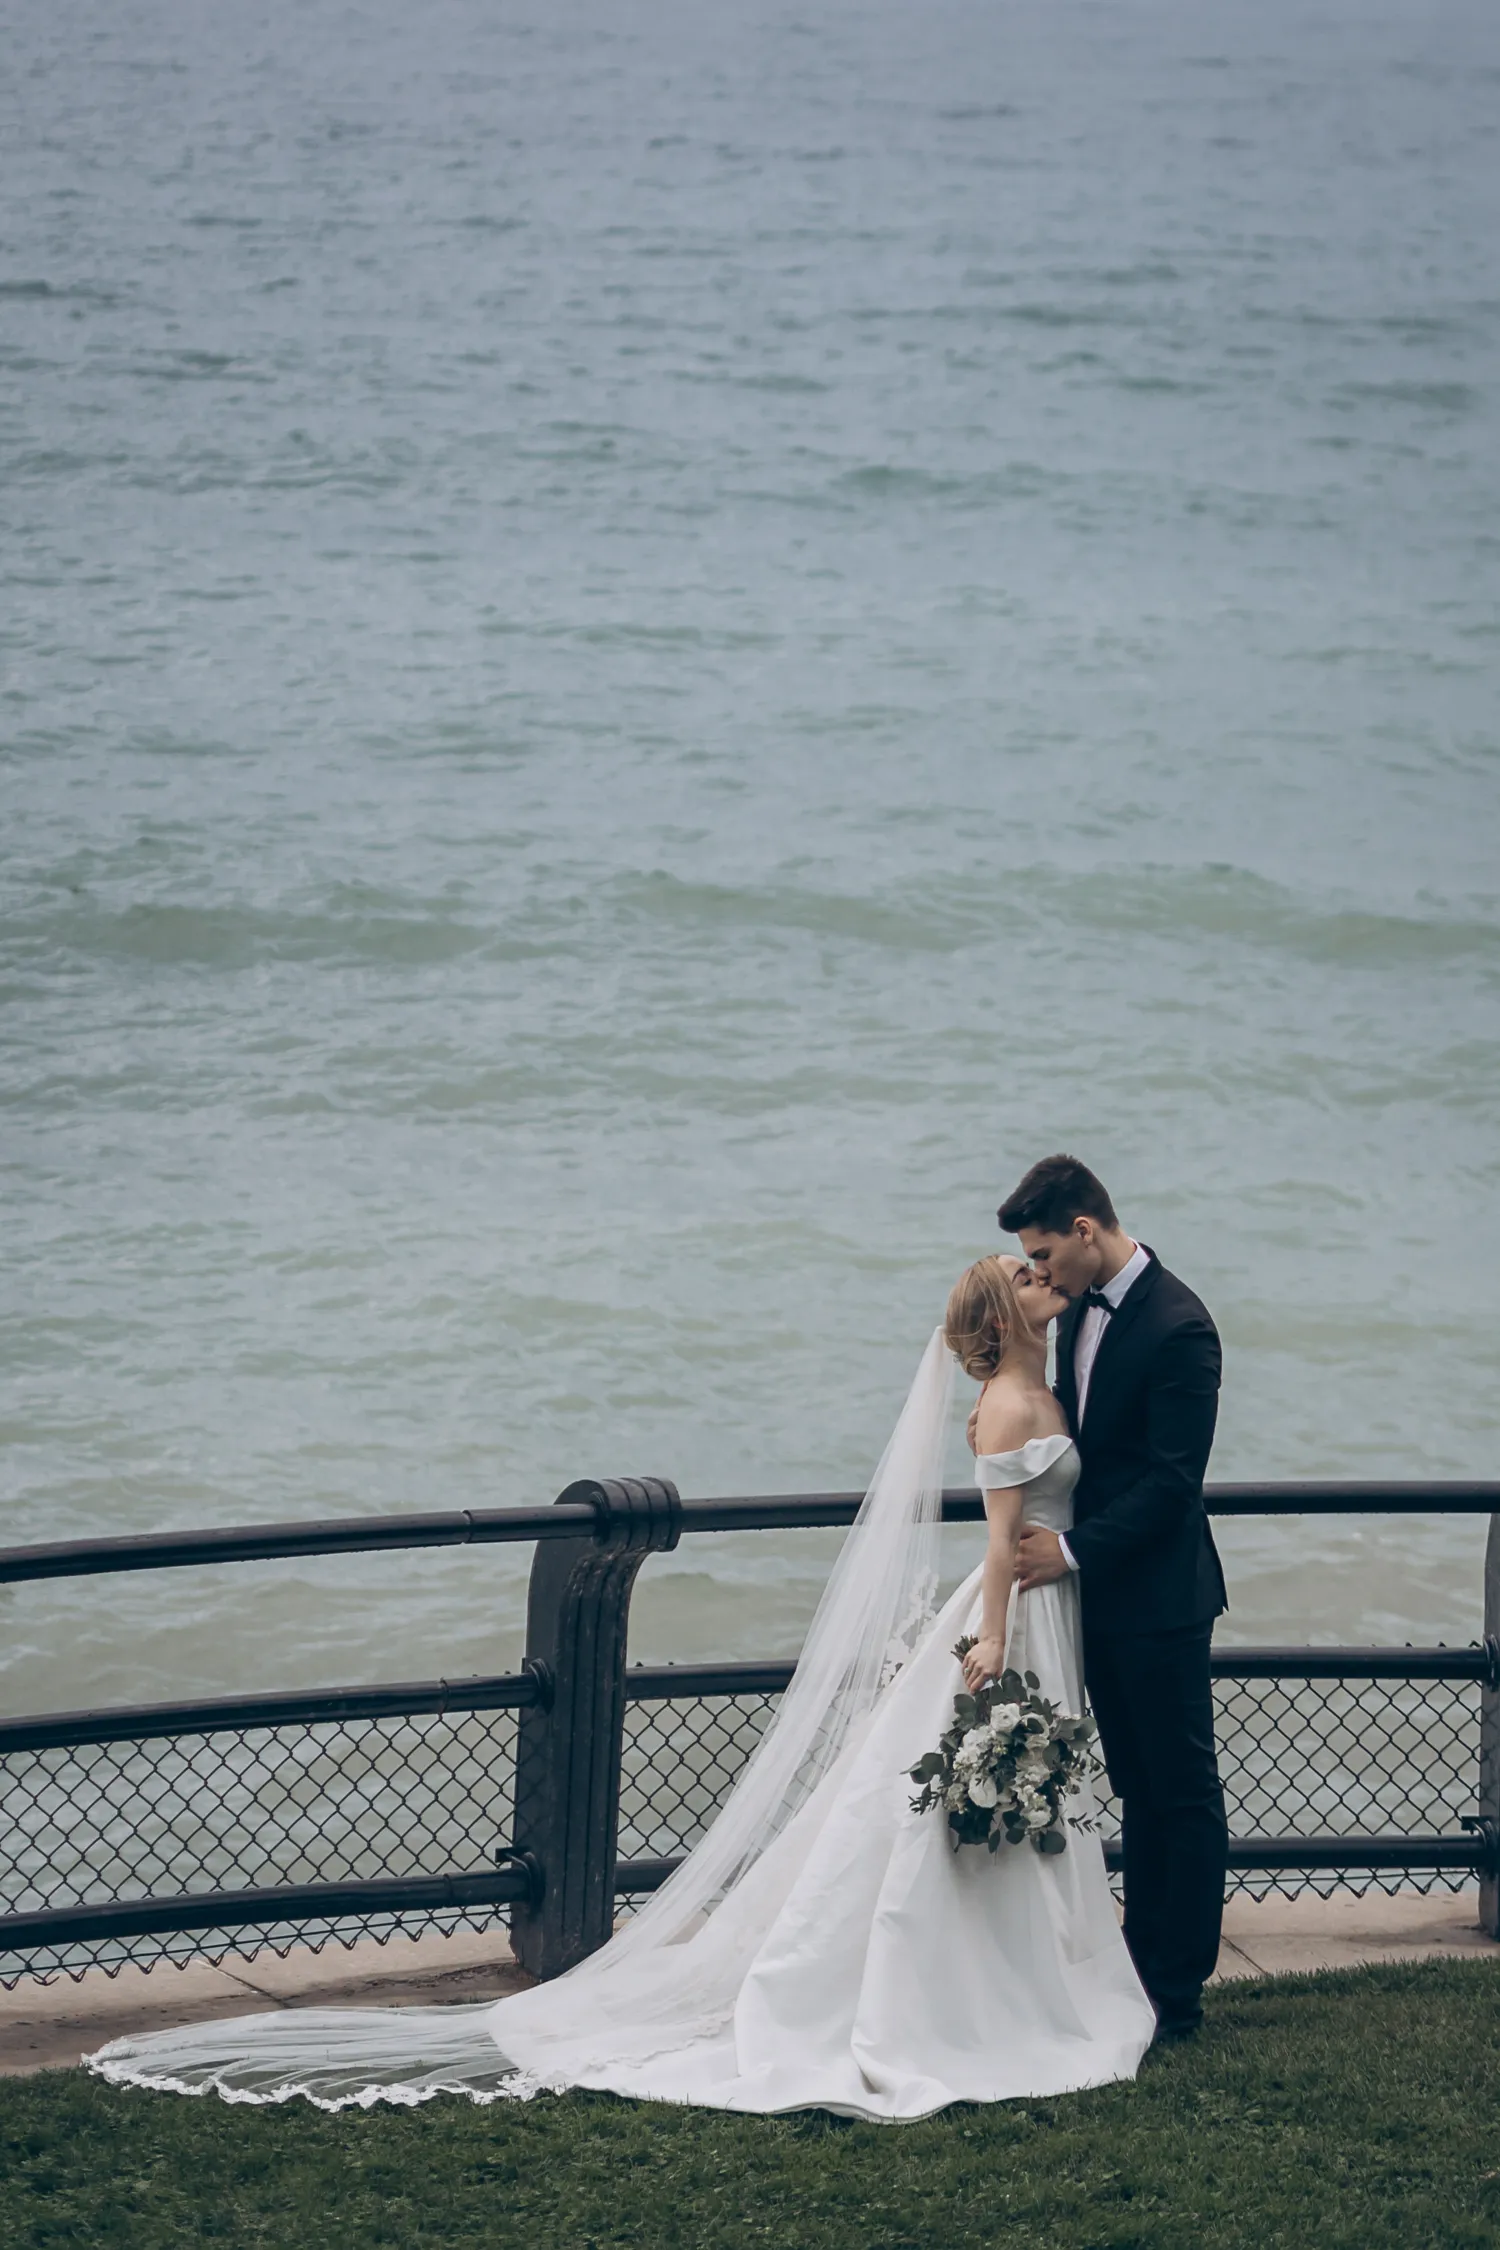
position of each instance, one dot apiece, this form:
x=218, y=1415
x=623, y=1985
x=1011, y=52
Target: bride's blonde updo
x=981, y=1318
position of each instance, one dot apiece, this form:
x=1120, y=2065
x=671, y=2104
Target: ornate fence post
x=568, y=1746
x=1488, y=1822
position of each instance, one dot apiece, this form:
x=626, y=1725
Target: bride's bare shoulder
x=1009, y=1419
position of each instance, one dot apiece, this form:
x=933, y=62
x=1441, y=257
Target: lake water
x=647, y=646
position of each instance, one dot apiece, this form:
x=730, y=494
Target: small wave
x=1039, y=315
x=793, y=386
x=39, y=291
x=177, y=935
x=1231, y=902
x=197, y=367
x=1163, y=385
x=1442, y=397
x=886, y=480
x=939, y=924
x=1145, y=271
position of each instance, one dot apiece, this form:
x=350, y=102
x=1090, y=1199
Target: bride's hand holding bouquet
x=985, y=1660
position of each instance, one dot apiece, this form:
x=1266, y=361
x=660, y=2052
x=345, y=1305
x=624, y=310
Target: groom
x=1138, y=1378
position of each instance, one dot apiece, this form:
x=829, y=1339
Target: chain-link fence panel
x=679, y=1762
x=95, y=1823
x=45, y=1964
x=1353, y=1757
x=1349, y=1757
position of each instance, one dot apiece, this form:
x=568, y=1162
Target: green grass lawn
x=1349, y=2111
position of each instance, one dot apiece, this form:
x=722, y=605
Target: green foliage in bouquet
x=1005, y=1769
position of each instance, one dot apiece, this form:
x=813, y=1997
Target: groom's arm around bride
x=1138, y=1366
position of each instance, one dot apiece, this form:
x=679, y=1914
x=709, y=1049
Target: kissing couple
x=825, y=1944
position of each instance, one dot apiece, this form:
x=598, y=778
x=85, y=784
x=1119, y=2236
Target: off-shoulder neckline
x=1012, y=1453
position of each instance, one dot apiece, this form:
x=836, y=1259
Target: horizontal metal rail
x=667, y=1683
x=1335, y=1497
x=508, y=1885
x=672, y=1683
x=273, y=1542
x=478, y=1527
x=238, y=1714
x=644, y=1683
x=263, y=1909
x=808, y=1511
x=1335, y=1854
x=1482, y=1664
x=1259, y=1854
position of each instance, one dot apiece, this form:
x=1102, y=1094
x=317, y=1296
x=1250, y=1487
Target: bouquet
x=1004, y=1770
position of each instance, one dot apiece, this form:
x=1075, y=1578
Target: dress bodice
x=1047, y=1466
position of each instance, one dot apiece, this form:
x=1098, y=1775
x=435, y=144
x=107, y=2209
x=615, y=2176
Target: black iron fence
x=559, y=1793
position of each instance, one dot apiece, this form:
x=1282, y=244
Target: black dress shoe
x=1177, y=2024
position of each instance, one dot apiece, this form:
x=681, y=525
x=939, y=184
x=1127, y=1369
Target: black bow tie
x=1097, y=1297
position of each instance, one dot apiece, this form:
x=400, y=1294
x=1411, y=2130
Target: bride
x=823, y=1946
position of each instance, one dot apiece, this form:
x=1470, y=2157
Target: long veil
x=669, y=1977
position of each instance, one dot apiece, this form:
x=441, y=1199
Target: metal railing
x=171, y=1831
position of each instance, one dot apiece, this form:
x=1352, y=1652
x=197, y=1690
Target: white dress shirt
x=1091, y=1334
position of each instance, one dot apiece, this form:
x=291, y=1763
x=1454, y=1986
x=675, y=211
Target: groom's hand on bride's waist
x=1040, y=1560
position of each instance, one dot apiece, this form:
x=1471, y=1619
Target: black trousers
x=1154, y=1706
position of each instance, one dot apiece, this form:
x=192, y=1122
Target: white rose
x=1005, y=1718
x=984, y=1792
x=1037, y=1816
x=975, y=1743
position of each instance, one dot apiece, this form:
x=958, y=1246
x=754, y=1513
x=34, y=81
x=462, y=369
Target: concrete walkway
x=44, y=2027
x=1275, y=1937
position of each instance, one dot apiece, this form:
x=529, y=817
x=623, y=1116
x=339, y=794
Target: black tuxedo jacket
x=1146, y=1557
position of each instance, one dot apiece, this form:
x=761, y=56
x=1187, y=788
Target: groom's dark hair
x=1053, y=1194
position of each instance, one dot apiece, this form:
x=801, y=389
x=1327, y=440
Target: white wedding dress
x=823, y=1946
